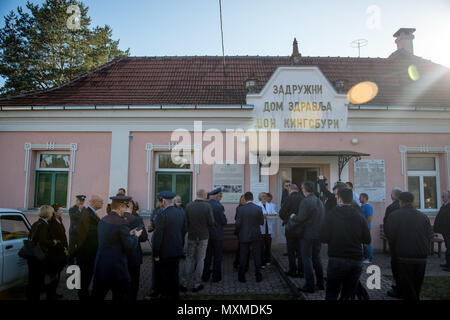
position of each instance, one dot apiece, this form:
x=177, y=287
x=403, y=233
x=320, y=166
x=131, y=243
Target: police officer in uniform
x=74, y=229
x=168, y=243
x=215, y=242
x=115, y=241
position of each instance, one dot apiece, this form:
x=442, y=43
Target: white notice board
x=370, y=178
x=230, y=177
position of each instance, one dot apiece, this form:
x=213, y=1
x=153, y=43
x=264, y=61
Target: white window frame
x=38, y=161
x=157, y=168
x=421, y=174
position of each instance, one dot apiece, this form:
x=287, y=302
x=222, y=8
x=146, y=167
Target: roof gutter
x=396, y=108
x=128, y=107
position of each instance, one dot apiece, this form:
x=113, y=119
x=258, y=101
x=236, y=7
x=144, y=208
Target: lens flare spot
x=413, y=73
x=362, y=92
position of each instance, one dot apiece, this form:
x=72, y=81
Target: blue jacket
x=168, y=237
x=114, y=243
x=249, y=218
x=216, y=230
x=134, y=256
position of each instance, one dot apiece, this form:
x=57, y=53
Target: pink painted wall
x=137, y=175
x=379, y=145
x=91, y=174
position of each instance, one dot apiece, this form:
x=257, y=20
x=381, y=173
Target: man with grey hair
x=395, y=205
x=442, y=226
x=395, y=193
x=199, y=216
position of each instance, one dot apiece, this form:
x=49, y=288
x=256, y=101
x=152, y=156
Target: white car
x=15, y=228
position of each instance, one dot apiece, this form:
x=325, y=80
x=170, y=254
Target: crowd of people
x=187, y=241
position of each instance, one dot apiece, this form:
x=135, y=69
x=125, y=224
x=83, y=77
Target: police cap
x=167, y=194
x=215, y=191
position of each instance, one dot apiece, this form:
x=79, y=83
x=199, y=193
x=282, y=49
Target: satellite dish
x=358, y=43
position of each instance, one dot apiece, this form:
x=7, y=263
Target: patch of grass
x=241, y=297
x=433, y=288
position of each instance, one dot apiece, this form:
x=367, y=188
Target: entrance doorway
x=297, y=175
x=300, y=175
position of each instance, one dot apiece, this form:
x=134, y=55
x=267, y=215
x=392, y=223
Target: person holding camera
x=134, y=256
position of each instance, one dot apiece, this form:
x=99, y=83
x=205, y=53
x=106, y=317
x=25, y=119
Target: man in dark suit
x=115, y=242
x=87, y=244
x=306, y=224
x=442, y=226
x=249, y=218
x=215, y=242
x=409, y=233
x=168, y=244
x=285, y=193
x=74, y=229
x=291, y=205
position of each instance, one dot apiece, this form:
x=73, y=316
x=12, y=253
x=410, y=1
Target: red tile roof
x=202, y=81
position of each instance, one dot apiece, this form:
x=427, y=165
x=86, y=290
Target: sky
x=268, y=27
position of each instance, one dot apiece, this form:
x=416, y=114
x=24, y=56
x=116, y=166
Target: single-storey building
x=378, y=122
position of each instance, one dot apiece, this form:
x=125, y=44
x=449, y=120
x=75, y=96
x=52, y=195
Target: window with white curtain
x=423, y=181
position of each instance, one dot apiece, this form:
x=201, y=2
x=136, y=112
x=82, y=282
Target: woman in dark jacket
x=134, y=258
x=59, y=253
x=38, y=275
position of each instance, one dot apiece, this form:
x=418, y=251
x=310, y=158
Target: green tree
x=48, y=45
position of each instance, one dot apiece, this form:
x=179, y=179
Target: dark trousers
x=52, y=286
x=119, y=288
x=266, y=248
x=170, y=281
x=156, y=276
x=294, y=253
x=87, y=272
x=36, y=278
x=410, y=278
x=447, y=246
x=312, y=262
x=394, y=269
x=237, y=257
x=245, y=247
x=135, y=272
x=213, y=254
x=342, y=277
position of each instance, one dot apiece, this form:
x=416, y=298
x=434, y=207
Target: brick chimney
x=404, y=39
x=296, y=57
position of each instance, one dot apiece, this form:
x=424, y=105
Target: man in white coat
x=269, y=212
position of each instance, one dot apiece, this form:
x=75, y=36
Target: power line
x=221, y=33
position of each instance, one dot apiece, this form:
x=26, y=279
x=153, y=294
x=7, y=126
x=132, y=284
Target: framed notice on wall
x=370, y=178
x=230, y=177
